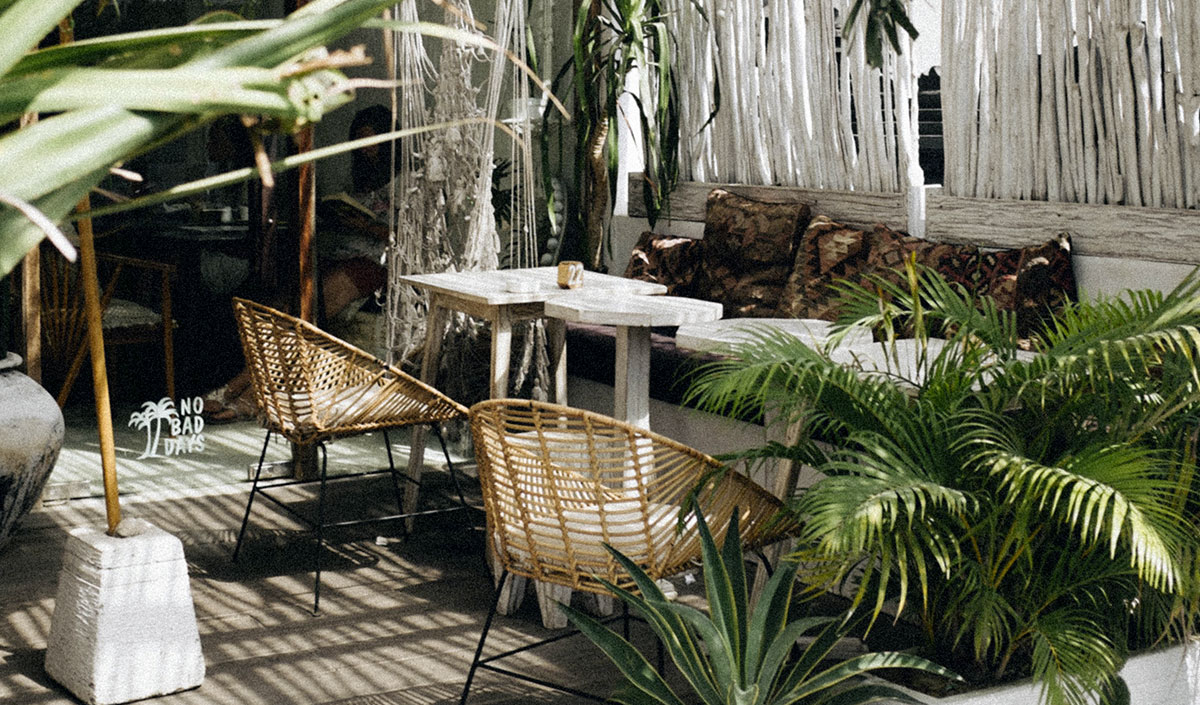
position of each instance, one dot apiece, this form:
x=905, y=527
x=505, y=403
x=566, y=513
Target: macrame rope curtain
x=443, y=195
x=799, y=106
x=445, y=217
x=1089, y=101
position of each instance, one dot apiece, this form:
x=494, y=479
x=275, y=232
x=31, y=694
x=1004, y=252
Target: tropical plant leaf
x=769, y=620
x=636, y=669
x=25, y=23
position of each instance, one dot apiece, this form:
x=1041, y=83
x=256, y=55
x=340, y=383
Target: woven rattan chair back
x=559, y=482
x=311, y=386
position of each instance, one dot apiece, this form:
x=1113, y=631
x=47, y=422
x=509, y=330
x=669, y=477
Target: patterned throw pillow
x=890, y=249
x=747, y=252
x=667, y=260
x=828, y=251
x=1034, y=281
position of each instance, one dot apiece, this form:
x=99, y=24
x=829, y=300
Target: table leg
x=435, y=327
x=632, y=376
x=501, y=352
x=549, y=596
x=556, y=335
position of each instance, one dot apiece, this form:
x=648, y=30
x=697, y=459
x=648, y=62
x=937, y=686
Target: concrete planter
x=31, y=435
x=1169, y=676
x=124, y=627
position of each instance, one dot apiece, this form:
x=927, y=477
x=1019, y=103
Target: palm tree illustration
x=164, y=410
x=156, y=412
x=141, y=419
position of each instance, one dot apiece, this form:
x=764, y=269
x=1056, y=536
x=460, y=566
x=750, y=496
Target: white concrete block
x=124, y=626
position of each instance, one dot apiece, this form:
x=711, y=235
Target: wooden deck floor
x=398, y=624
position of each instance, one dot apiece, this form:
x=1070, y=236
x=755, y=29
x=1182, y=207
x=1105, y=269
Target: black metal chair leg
x=765, y=561
x=449, y=465
x=237, y=547
x=487, y=625
x=387, y=443
x=320, y=526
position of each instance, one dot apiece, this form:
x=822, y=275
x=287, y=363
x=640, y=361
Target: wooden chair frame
x=64, y=324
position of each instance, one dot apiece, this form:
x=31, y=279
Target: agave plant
x=735, y=655
x=1035, y=513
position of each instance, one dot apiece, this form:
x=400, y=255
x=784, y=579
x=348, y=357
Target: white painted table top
x=518, y=286
x=618, y=309
x=714, y=335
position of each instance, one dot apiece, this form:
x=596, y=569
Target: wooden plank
x=1155, y=234
x=858, y=208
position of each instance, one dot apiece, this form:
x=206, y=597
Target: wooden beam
x=1130, y=232
x=857, y=208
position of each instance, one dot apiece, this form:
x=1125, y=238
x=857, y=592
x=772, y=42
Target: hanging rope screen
x=443, y=197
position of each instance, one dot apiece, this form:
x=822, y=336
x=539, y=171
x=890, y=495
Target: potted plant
x=735, y=654
x=1034, y=514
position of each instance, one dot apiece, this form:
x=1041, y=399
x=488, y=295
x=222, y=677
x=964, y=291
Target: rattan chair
x=311, y=387
x=64, y=324
x=559, y=482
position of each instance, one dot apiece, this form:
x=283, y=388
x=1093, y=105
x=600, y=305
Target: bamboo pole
x=31, y=294
x=95, y=333
x=95, y=340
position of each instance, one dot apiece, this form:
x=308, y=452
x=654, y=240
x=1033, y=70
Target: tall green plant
x=612, y=38
x=735, y=655
x=114, y=98
x=1036, y=513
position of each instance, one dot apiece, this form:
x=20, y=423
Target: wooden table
x=501, y=297
x=633, y=316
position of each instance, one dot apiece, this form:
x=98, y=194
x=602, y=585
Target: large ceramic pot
x=31, y=435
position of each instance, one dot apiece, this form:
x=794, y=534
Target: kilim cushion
x=671, y=261
x=828, y=252
x=747, y=252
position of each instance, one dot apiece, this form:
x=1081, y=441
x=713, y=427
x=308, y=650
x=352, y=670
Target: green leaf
x=723, y=666
x=636, y=669
x=735, y=566
x=858, y=665
x=232, y=90
x=770, y=617
x=181, y=43
x=25, y=22
x=779, y=650
x=719, y=586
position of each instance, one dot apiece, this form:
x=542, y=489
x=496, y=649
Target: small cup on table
x=570, y=275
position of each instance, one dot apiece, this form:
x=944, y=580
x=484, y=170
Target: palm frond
x=1071, y=656
x=1113, y=496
